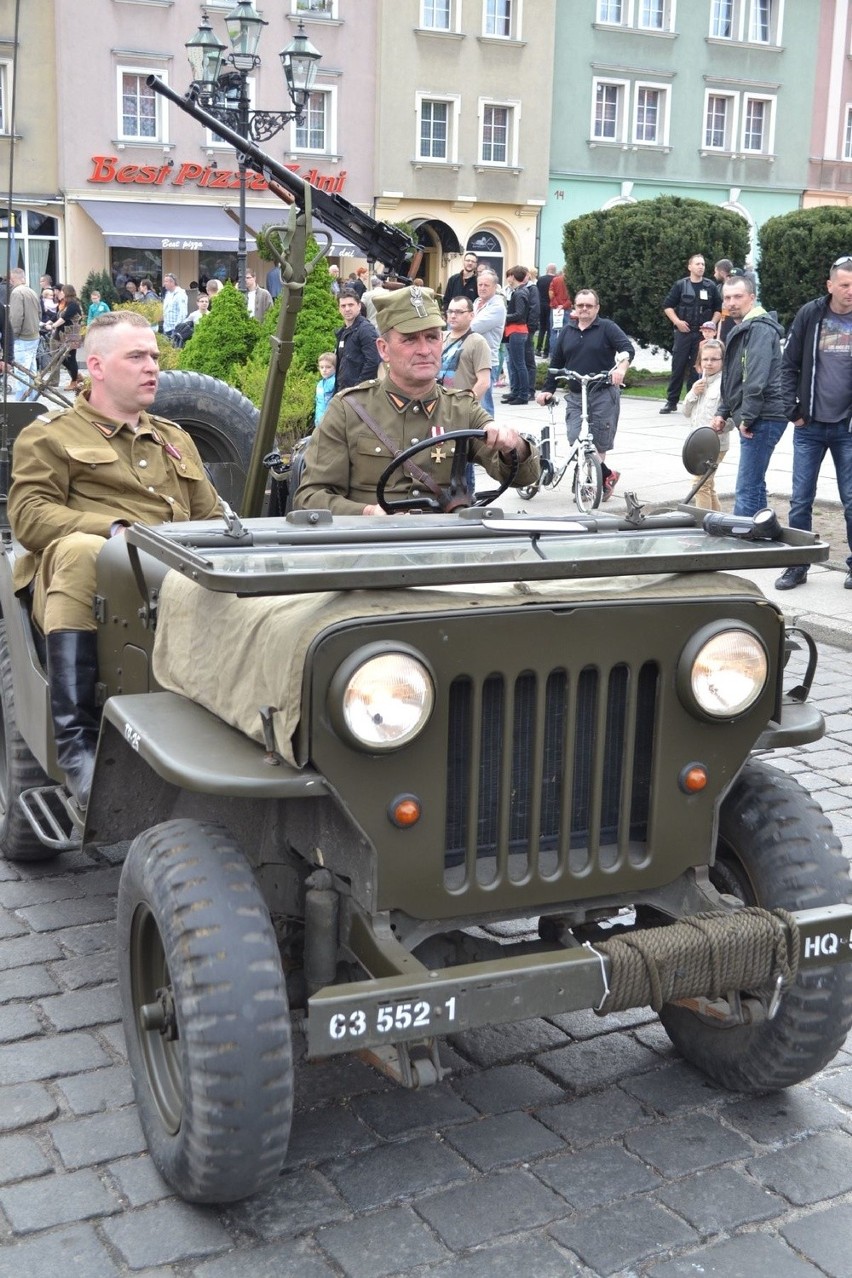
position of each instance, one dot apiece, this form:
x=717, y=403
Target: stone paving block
x=746, y=1256
x=587, y=1024
x=592, y=1177
x=587, y=1120
x=502, y=1140
x=619, y=1236
x=113, y=1037
x=23, y=1104
x=8, y=872
x=26, y=982
x=38, y=891
x=98, y=1138
x=833, y=800
x=675, y=1088
x=500, y=1203
x=296, y=1202
x=17, y=1021
x=837, y=1084
x=97, y=1006
x=318, y=1081
x=588, y=1066
x=59, y=1254
x=92, y=969
x=531, y=1256
x=89, y=940
x=20, y=1158
x=779, y=1119
x=102, y=1089
x=817, y=1167
x=51, y=916
x=654, y=1036
x=388, y=1242
x=300, y=1259
x=687, y=1145
x=401, y=1112
x=138, y=1180
x=720, y=1201
x=825, y=1237
x=56, y=1200
x=501, y=1044
x=10, y=925
x=493, y=1091
x=50, y=1057
x=102, y=881
x=386, y=1173
x=21, y=951
x=330, y=1132
x=166, y=1233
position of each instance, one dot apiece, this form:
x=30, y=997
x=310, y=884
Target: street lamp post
x=220, y=82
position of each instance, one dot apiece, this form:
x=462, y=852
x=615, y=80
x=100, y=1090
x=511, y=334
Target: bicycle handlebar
x=569, y=375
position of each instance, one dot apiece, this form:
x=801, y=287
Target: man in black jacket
x=751, y=391
x=816, y=382
x=357, y=354
x=688, y=303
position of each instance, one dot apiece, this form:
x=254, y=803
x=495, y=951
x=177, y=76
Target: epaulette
x=374, y=381
x=165, y=421
x=51, y=417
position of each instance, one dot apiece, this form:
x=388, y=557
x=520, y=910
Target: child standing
x=327, y=364
x=96, y=307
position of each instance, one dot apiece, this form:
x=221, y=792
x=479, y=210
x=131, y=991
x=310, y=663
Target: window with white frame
x=436, y=15
x=5, y=96
x=650, y=115
x=756, y=125
x=746, y=21
x=652, y=15
x=637, y=15
x=437, y=128
x=142, y=115
x=847, y=136
x=498, y=137
x=720, y=121
x=608, y=110
x=317, y=132
x=610, y=12
x=500, y=18
x=314, y=8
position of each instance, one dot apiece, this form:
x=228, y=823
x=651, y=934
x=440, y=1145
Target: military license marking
x=390, y=1018
x=132, y=737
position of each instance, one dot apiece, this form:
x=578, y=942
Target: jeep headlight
x=723, y=671
x=382, y=700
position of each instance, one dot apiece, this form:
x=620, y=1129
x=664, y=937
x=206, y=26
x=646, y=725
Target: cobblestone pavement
x=566, y=1146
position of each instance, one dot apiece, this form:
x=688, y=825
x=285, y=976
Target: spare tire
x=221, y=421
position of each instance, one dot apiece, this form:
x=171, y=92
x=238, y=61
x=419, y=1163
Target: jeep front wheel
x=776, y=849
x=205, y=1012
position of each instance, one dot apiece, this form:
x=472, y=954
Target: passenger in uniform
x=366, y=426
x=80, y=476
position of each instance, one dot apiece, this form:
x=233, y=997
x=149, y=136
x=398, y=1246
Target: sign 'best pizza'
x=107, y=170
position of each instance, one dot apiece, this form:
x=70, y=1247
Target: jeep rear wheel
x=776, y=849
x=205, y=1012
x=221, y=422
x=19, y=771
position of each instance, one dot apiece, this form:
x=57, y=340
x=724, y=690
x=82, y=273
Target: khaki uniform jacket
x=344, y=459
x=76, y=471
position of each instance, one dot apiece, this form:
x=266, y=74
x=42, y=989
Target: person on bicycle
x=587, y=343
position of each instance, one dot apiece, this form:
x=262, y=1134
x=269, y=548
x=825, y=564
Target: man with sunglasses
x=589, y=344
x=816, y=382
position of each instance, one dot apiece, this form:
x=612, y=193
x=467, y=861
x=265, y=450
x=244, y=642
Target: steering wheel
x=456, y=495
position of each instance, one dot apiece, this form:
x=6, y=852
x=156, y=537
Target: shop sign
x=106, y=169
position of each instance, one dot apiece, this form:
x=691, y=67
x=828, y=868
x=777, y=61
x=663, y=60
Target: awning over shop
x=184, y=226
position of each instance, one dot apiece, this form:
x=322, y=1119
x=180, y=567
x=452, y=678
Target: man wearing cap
x=365, y=427
x=816, y=385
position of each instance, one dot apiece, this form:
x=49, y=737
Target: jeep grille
x=568, y=797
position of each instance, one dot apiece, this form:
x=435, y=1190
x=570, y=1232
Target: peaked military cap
x=408, y=310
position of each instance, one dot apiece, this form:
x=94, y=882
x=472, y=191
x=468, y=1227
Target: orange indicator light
x=693, y=778
x=405, y=811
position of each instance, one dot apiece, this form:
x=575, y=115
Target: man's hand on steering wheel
x=455, y=495
x=506, y=440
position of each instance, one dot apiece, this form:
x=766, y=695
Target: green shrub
x=297, y=403
x=633, y=253
x=796, y=253
x=153, y=311
x=224, y=339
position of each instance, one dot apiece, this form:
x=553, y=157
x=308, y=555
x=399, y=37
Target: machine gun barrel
x=377, y=241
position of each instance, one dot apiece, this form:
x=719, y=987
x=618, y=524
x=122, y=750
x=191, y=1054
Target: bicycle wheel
x=588, y=482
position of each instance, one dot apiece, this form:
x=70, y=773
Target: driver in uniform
x=366, y=426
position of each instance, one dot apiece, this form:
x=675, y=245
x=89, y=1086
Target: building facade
x=708, y=99
x=829, y=177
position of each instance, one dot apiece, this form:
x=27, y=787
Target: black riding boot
x=72, y=671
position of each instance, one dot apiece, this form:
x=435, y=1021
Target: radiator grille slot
x=549, y=774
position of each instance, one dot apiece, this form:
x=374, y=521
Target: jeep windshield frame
x=313, y=551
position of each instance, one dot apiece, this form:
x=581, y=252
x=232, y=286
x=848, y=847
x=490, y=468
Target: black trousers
x=684, y=355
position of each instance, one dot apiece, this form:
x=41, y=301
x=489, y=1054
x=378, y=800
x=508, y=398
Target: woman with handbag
x=67, y=327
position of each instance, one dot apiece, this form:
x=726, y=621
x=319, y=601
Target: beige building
x=463, y=126
x=830, y=160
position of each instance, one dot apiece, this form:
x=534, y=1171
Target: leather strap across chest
x=410, y=467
